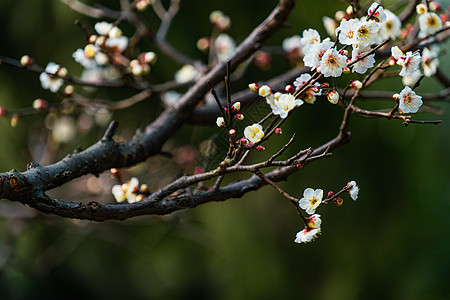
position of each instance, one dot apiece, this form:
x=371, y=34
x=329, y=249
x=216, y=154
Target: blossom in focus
x=378, y=15
x=367, y=33
x=49, y=78
x=430, y=61
x=333, y=97
x=347, y=31
x=390, y=29
x=220, y=122
x=362, y=65
x=127, y=191
x=314, y=221
x=254, y=133
x=224, y=45
x=332, y=63
x=354, y=190
x=315, y=53
x=409, y=102
x=429, y=23
x=311, y=200
x=309, y=37
x=306, y=235
x=411, y=63
x=186, y=74
x=284, y=104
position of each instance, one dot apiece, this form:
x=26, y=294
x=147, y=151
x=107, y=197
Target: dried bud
x=232, y=132
x=356, y=85
x=333, y=97
x=338, y=201
x=236, y=107
x=26, y=61
x=260, y=148
x=15, y=120
x=278, y=131
x=254, y=87
x=330, y=194
x=289, y=89
x=68, y=90
x=39, y=104
x=220, y=121
x=239, y=116
x=2, y=111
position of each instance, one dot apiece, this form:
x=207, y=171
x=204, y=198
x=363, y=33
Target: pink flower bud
x=253, y=87
x=330, y=194
x=243, y=141
x=396, y=97
x=236, y=107
x=356, y=85
x=333, y=97
x=289, y=89
x=232, y=132
x=392, y=62
x=318, y=69
x=278, y=131
x=346, y=70
x=344, y=52
x=239, y=116
x=2, y=111
x=338, y=201
x=39, y=104
x=315, y=89
x=325, y=85
x=260, y=148
x=220, y=122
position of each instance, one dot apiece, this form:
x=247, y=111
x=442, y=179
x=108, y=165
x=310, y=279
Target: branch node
x=110, y=131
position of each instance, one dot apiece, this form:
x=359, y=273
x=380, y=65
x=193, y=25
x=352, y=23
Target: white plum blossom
x=429, y=23
x=105, y=28
x=390, y=29
x=220, y=122
x=170, y=98
x=362, y=65
x=117, y=44
x=301, y=80
x=332, y=63
x=354, y=190
x=265, y=91
x=119, y=192
x=309, y=37
x=310, y=93
x=330, y=25
x=409, y=102
x=49, y=78
x=367, y=33
x=291, y=44
x=379, y=15
x=186, y=74
x=347, y=31
x=306, y=235
x=411, y=79
x=64, y=129
x=430, y=61
x=396, y=52
x=224, y=45
x=315, y=53
x=284, y=104
x=333, y=97
x=314, y=221
x=133, y=190
x=126, y=191
x=411, y=63
x=311, y=200
x=254, y=133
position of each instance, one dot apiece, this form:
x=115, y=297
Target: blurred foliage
x=392, y=243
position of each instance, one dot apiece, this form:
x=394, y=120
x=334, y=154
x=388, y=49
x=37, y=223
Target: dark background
x=392, y=243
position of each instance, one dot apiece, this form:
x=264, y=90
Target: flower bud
x=114, y=171
x=315, y=89
x=2, y=111
x=421, y=8
x=137, y=70
x=62, y=72
x=278, y=131
x=349, y=10
x=339, y=15
x=435, y=6
x=260, y=148
x=333, y=97
x=344, y=52
x=318, y=69
x=220, y=121
x=264, y=91
x=140, y=197
x=239, y=116
x=92, y=38
x=254, y=87
x=396, y=97
x=277, y=95
x=330, y=194
x=199, y=170
x=236, y=107
x=68, y=90
x=15, y=120
x=232, y=132
x=338, y=201
x=90, y=50
x=400, y=61
x=144, y=189
x=325, y=85
x=25, y=61
x=392, y=62
x=149, y=58
x=243, y=141
x=39, y=104
x=203, y=44
x=314, y=221
x=289, y=89
x=346, y=70
x=356, y=85
x=142, y=5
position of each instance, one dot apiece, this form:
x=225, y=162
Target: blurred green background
x=392, y=243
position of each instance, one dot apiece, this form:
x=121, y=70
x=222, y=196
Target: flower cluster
x=130, y=191
x=310, y=201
